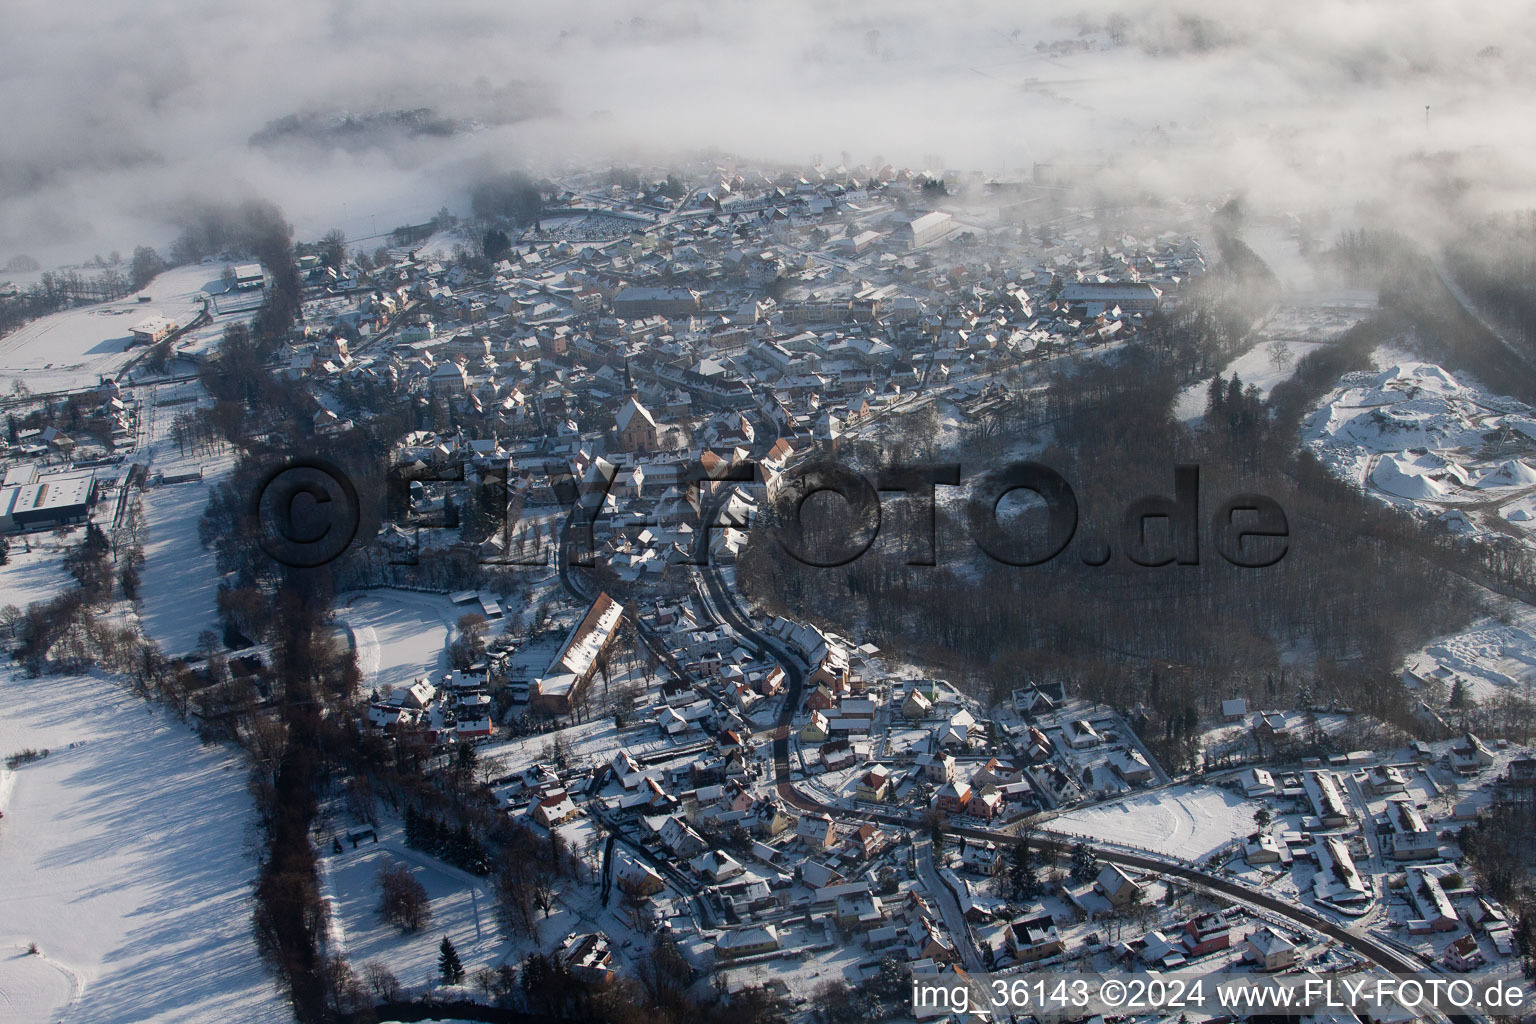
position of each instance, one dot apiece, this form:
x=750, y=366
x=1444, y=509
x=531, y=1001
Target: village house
x=1116, y=886
x=816, y=831
x=1462, y=955
x=1410, y=838
x=937, y=767
x=554, y=809
x=874, y=785
x=952, y=797
x=1269, y=950
x=1327, y=802
x=741, y=942
x=1207, y=934
x=1033, y=939
x=1081, y=735
x=589, y=958
x=1469, y=755
x=638, y=879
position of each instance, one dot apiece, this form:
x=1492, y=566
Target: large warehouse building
x=930, y=227
x=33, y=501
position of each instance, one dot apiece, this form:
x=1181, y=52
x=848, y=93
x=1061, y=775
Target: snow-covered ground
x=441, y=245
x=77, y=347
x=595, y=741
x=1258, y=366
x=1489, y=655
x=34, y=570
x=1312, y=311
x=400, y=634
x=462, y=907
x=205, y=338
x=1180, y=821
x=125, y=855
x=180, y=580
x=1416, y=436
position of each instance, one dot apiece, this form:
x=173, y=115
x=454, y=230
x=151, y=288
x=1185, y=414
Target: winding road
x=795, y=671
x=1371, y=949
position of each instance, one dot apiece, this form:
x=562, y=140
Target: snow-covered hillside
x=126, y=859
x=75, y=348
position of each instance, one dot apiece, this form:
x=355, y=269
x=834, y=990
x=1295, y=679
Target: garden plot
x=178, y=592
x=462, y=909
x=34, y=571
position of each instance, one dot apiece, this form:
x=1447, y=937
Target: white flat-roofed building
x=152, y=328
x=248, y=276
x=1097, y=297
x=46, y=501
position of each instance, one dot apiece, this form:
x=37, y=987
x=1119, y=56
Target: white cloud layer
x=117, y=113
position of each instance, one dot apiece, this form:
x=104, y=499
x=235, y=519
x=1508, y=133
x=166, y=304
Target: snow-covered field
x=1313, y=304
x=400, y=634
x=1180, y=821
x=203, y=339
x=76, y=347
x=180, y=580
x=1258, y=366
x=583, y=227
x=462, y=909
x=1311, y=312
x=125, y=856
x=440, y=246
x=36, y=574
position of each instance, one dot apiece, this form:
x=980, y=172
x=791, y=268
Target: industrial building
x=30, y=500
x=929, y=228
x=1096, y=297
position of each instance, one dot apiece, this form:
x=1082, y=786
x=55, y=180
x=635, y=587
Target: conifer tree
x=448, y=965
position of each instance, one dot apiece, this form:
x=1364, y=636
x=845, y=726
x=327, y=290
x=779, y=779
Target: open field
x=126, y=858
x=75, y=348
x=1180, y=821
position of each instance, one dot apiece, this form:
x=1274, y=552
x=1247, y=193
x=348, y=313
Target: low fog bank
x=364, y=116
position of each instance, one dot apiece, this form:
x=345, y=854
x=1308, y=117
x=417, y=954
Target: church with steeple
x=633, y=424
